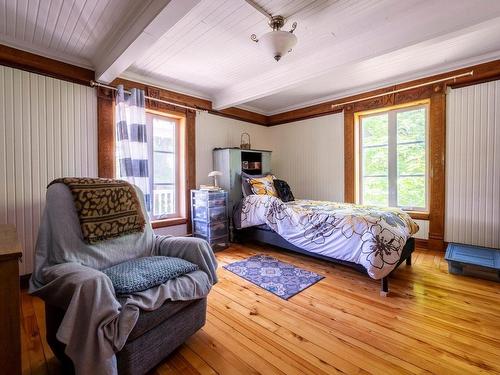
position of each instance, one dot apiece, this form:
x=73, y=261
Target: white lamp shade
x=214, y=174
x=278, y=42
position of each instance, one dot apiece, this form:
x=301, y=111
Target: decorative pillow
x=140, y=274
x=263, y=185
x=245, y=186
x=284, y=191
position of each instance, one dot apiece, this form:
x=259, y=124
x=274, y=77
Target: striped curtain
x=131, y=140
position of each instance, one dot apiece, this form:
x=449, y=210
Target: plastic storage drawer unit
x=210, y=218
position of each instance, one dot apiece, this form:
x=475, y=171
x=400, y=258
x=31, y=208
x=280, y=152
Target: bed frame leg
x=384, y=287
x=408, y=260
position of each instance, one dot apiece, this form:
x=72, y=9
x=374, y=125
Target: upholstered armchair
x=69, y=269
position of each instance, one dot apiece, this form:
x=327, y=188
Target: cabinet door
x=221, y=163
x=228, y=161
x=234, y=192
x=235, y=167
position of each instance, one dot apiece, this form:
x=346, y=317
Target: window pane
x=164, y=135
x=411, y=125
x=376, y=191
x=163, y=200
x=411, y=191
x=375, y=161
x=411, y=159
x=374, y=130
x=394, y=167
x=164, y=168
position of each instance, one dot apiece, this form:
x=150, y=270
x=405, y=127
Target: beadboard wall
x=48, y=129
x=473, y=165
x=309, y=155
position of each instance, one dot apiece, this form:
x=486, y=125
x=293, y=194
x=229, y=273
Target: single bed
x=373, y=240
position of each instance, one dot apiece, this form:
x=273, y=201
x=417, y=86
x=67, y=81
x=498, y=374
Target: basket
x=245, y=145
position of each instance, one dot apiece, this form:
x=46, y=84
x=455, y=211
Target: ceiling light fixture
x=277, y=41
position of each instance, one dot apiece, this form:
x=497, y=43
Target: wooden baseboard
x=422, y=243
x=436, y=244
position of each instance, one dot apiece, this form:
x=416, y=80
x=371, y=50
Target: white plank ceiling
x=344, y=46
x=71, y=31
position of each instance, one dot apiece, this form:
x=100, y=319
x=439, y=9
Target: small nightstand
x=210, y=218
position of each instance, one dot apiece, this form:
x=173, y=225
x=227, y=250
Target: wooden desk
x=10, y=329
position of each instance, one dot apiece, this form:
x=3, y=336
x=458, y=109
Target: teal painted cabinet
x=231, y=162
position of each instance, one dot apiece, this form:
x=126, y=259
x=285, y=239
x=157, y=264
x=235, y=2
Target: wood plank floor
x=431, y=322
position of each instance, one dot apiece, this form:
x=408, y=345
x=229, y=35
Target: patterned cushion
x=245, y=185
x=284, y=191
x=140, y=274
x=263, y=185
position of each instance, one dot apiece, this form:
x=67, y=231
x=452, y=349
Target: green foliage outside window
x=375, y=130
x=376, y=161
x=411, y=191
x=409, y=154
x=376, y=191
x=411, y=159
x=411, y=125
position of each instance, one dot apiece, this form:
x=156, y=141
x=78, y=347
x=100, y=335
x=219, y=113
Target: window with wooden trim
x=164, y=160
x=165, y=136
x=393, y=158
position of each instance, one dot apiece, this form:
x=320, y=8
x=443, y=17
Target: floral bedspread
x=371, y=236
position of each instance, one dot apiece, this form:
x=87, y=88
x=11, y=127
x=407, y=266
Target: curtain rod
x=454, y=78
x=98, y=84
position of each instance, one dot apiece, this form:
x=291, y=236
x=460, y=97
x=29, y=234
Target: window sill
x=416, y=215
x=168, y=222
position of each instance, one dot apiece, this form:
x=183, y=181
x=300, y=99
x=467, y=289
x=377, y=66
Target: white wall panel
x=309, y=155
x=423, y=232
x=48, y=129
x=473, y=165
x=175, y=230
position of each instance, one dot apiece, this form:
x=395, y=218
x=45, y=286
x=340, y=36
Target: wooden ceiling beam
x=482, y=73
x=134, y=38
x=167, y=94
x=318, y=61
x=164, y=94
x=243, y=115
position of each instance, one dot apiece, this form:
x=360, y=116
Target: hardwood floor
x=431, y=322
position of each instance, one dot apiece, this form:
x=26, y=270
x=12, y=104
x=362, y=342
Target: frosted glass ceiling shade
x=278, y=42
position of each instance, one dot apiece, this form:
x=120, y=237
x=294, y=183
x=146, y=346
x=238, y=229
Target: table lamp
x=214, y=174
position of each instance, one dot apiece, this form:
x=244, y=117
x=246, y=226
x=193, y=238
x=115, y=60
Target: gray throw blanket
x=67, y=275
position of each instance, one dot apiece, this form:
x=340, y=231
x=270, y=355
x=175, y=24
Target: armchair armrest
x=94, y=325
x=194, y=250
x=64, y=279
